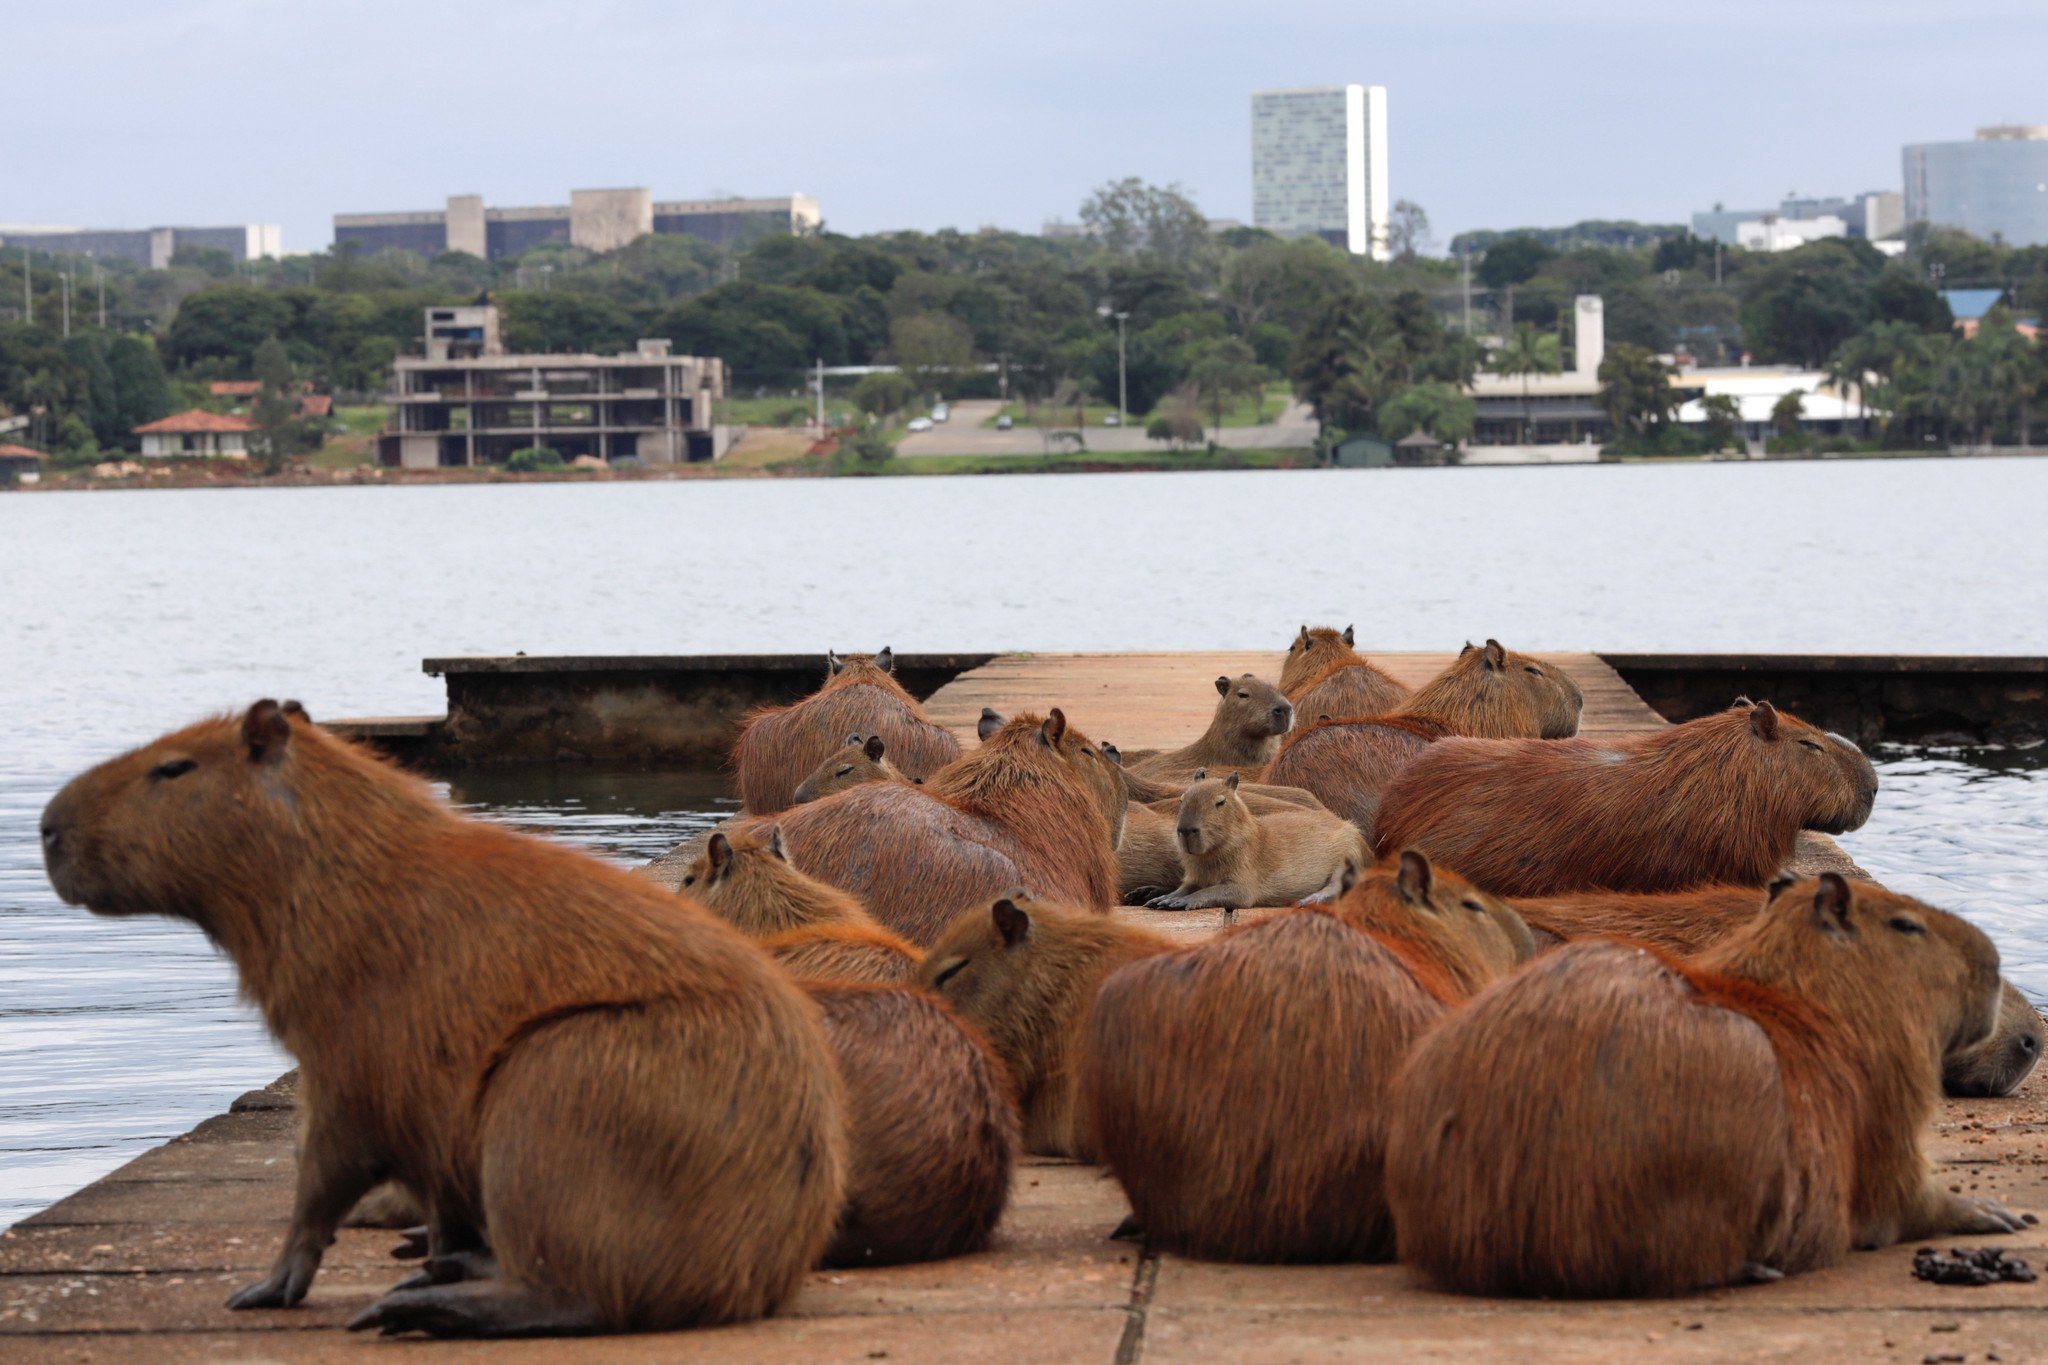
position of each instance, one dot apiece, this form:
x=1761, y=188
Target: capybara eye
x=1475, y=907
x=948, y=973
x=1244, y=694
x=1531, y=668
x=845, y=770
x=177, y=767
x=690, y=880
x=1908, y=926
x=1810, y=745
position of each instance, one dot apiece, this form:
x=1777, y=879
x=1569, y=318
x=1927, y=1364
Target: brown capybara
x=1237, y=1088
x=862, y=760
x=931, y=1125
x=1147, y=856
x=1611, y=1122
x=1024, y=972
x=1324, y=676
x=845, y=952
x=477, y=1014
x=1245, y=729
x=1037, y=805
x=1232, y=858
x=1718, y=799
x=1683, y=923
x=747, y=880
x=782, y=745
x=1488, y=692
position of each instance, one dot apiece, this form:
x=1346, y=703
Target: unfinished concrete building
x=467, y=402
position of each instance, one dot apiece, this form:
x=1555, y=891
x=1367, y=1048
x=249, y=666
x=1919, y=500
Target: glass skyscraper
x=1994, y=186
x=1319, y=165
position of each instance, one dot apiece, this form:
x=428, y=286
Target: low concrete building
x=196, y=434
x=599, y=220
x=152, y=247
x=467, y=402
x=1548, y=409
x=1772, y=233
x=1825, y=410
x=1875, y=216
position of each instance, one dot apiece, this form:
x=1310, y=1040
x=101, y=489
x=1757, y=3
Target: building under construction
x=467, y=402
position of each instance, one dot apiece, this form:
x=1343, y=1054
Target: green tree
x=1509, y=262
x=864, y=452
x=276, y=407
x=1444, y=411
x=1332, y=368
x=1130, y=217
x=1723, y=412
x=1179, y=419
x=226, y=324
x=1788, y=412
x=562, y=320
x=1527, y=352
x=931, y=349
x=1635, y=389
x=880, y=394
x=1224, y=370
x=1802, y=304
x=534, y=460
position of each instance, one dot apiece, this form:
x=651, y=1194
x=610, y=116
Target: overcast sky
x=911, y=113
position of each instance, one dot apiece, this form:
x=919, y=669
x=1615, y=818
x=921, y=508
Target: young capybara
x=1718, y=799
x=931, y=1125
x=1682, y=923
x=1024, y=972
x=1238, y=1088
x=747, y=880
x=1244, y=731
x=1037, y=805
x=1232, y=858
x=862, y=760
x=1610, y=1122
x=1324, y=676
x=1147, y=856
x=782, y=745
x=482, y=1016
x=1490, y=692
x=845, y=952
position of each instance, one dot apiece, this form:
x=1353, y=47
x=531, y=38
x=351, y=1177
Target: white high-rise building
x=1319, y=165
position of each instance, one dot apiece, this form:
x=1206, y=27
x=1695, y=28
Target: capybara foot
x=281, y=1288
x=481, y=1308
x=1981, y=1215
x=418, y=1242
x=453, y=1268
x=1130, y=1230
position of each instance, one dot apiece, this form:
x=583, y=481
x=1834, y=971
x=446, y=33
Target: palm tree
x=1527, y=352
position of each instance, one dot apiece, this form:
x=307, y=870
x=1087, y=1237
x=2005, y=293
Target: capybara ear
x=1112, y=753
x=296, y=711
x=266, y=731
x=1231, y=781
x=1054, y=729
x=1831, y=904
x=1349, y=638
x=833, y=663
x=1201, y=773
x=1414, y=878
x=719, y=851
x=990, y=722
x=1496, y=657
x=853, y=738
x=1741, y=704
x=874, y=748
x=1763, y=718
x=1223, y=687
x=1466, y=650
x=771, y=839
x=1348, y=877
x=1778, y=884
x=1303, y=637
x=1011, y=921
x=885, y=659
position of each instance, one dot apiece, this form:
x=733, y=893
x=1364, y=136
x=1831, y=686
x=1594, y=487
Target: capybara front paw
x=274, y=1290
x=417, y=1244
x=1984, y=1216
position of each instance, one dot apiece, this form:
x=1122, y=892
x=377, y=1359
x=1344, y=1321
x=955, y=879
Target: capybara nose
x=1283, y=716
x=52, y=838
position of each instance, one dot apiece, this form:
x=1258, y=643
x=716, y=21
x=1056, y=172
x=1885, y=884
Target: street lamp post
x=1122, y=389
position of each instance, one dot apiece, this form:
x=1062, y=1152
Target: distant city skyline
x=919, y=115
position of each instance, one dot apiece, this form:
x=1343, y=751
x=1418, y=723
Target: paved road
x=965, y=435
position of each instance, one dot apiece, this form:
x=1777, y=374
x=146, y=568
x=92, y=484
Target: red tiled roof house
x=208, y=435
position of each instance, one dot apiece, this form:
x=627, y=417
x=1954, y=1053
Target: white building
x=1772, y=233
x=1319, y=165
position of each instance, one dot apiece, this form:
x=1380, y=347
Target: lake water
x=129, y=613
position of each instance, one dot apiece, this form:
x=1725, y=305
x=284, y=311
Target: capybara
x=1489, y=692
x=1147, y=856
x=1324, y=676
x=931, y=1125
x=845, y=952
x=602, y=1082
x=781, y=745
x=1233, y=858
x=1037, y=805
x=747, y=880
x=1682, y=923
x=1025, y=972
x=862, y=760
x=1611, y=1122
x=1244, y=731
x=1718, y=799
x=1238, y=1088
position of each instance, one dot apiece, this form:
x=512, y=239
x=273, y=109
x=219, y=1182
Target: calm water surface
x=130, y=613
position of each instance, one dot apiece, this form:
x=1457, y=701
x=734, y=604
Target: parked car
x=919, y=424
x=1111, y=419
x=1005, y=422
x=941, y=412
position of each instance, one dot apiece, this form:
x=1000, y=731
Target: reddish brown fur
x=1244, y=732
x=862, y=760
x=1719, y=799
x=395, y=948
x=1238, y=1088
x=780, y=745
x=1324, y=676
x=1494, y=693
x=1758, y=1106
x=747, y=880
x=931, y=1122
x=1348, y=764
x=1037, y=805
x=1147, y=857
x=845, y=952
x=1025, y=973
